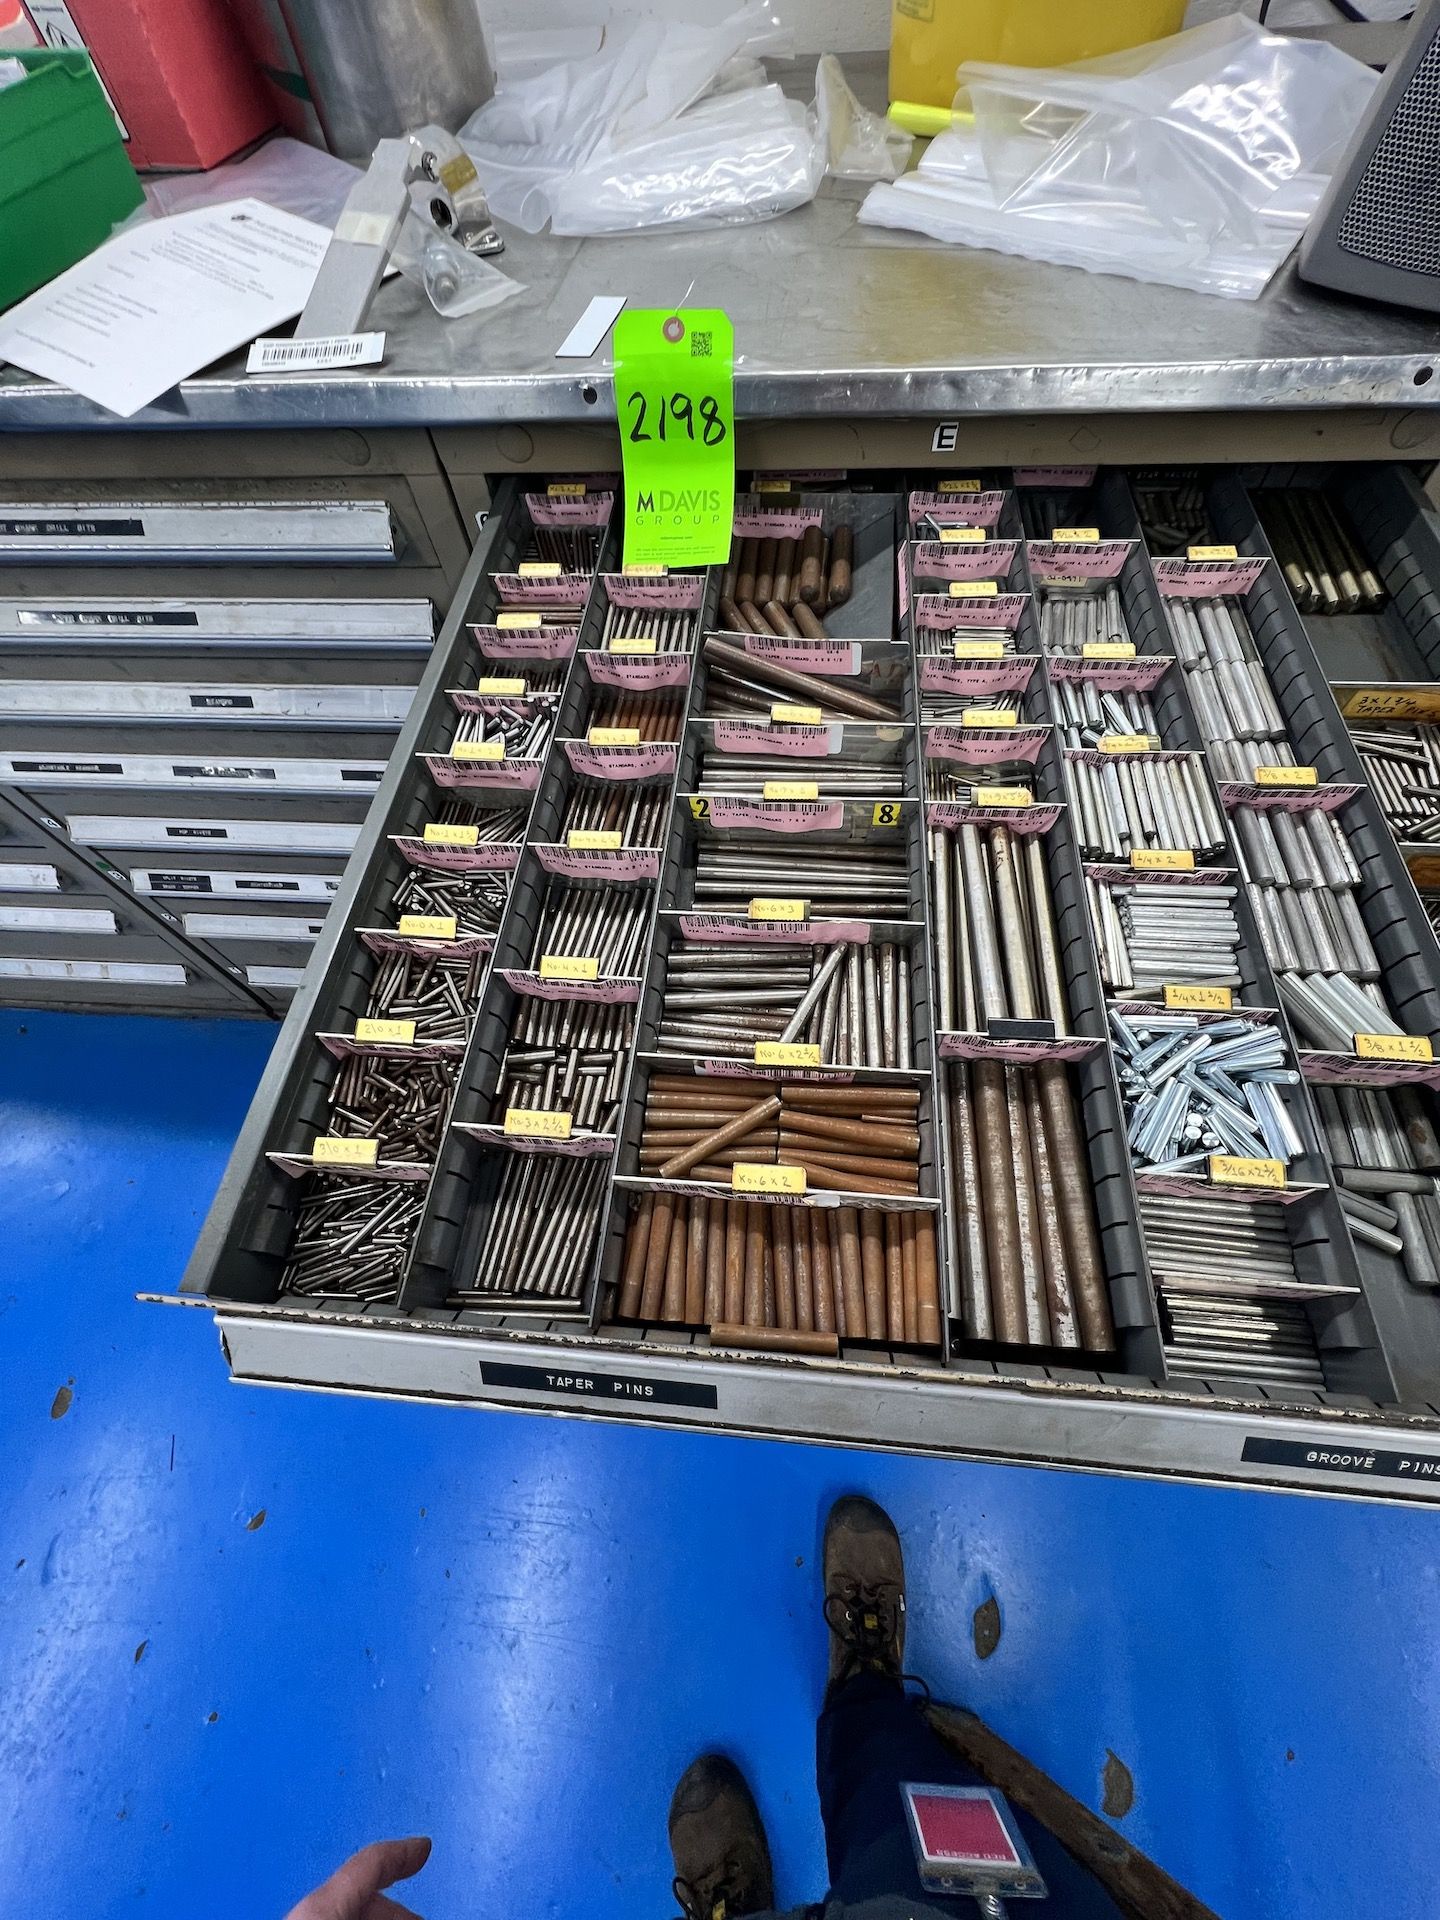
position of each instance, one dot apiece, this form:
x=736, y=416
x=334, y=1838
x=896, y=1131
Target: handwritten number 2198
x=676, y=412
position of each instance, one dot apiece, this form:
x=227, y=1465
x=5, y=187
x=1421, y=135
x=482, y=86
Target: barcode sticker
x=314, y=356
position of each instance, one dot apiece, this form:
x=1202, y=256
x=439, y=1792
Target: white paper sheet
x=161, y=300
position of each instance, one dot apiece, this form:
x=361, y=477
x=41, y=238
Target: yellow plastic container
x=930, y=38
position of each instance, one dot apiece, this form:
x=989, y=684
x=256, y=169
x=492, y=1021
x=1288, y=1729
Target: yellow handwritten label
x=614, y=736
x=646, y=569
x=566, y=490
x=1379, y=703
x=1226, y=1170
x=1199, y=999
x=1393, y=1046
x=1125, y=743
x=1211, y=553
x=566, y=966
x=501, y=688
x=331, y=1151
x=973, y=590
x=1286, y=777
x=1108, y=650
x=1162, y=860
x=595, y=839
x=987, y=717
x=768, y=908
x=747, y=1176
x=635, y=643
x=438, y=834
x=428, y=926
x=539, y=569
x=478, y=750
x=979, y=649
x=773, y=483
x=786, y=714
x=790, y=790
x=400, y=1033
x=785, y=1053
x=1077, y=536
x=1002, y=796
x=962, y=536
x=538, y=1124
x=959, y=486
x=513, y=622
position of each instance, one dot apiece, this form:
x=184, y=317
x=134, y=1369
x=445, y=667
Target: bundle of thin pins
x=1043, y=509
x=674, y=630
x=654, y=716
x=1402, y=764
x=1322, y=560
x=1172, y=516
x=352, y=1238
x=474, y=901
x=1386, y=1155
x=525, y=730
x=954, y=706
x=787, y=586
x=400, y=1104
x=1026, y=1246
x=494, y=826
x=850, y=1000
x=539, y=1239
x=1226, y=1280
x=951, y=643
x=1120, y=801
x=869, y=880
x=1190, y=1090
x=838, y=776
x=1302, y=878
x=567, y=1056
x=737, y=682
x=957, y=779
x=846, y=1139
x=604, y=923
x=1085, y=712
x=1151, y=935
x=637, y=813
x=1073, y=618
x=575, y=549
x=441, y=995
x=1235, y=708
x=792, y=1279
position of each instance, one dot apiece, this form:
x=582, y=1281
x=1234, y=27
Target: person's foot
x=722, y=1861
x=864, y=1590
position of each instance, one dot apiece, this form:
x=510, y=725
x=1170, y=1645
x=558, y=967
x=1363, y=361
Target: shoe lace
x=866, y=1621
x=716, y=1897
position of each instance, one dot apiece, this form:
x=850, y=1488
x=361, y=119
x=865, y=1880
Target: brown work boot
x=722, y=1861
x=864, y=1590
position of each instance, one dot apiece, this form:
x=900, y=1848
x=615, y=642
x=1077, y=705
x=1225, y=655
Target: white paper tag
x=591, y=328
x=333, y=350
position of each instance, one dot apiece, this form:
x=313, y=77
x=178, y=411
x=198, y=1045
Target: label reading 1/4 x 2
x=674, y=395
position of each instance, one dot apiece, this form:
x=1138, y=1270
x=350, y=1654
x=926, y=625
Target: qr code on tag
x=701, y=346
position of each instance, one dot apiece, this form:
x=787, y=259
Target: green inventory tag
x=674, y=400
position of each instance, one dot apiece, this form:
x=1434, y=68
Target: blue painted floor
x=242, y=1632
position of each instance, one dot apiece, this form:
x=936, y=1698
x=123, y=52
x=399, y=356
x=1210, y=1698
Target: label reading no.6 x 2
x=674, y=395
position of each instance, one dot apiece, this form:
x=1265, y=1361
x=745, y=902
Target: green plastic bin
x=65, y=181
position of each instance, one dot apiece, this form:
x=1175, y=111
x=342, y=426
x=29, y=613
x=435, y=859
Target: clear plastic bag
x=457, y=281
x=859, y=145
x=1194, y=161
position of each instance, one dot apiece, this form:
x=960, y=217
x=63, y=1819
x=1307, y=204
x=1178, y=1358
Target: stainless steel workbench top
x=830, y=319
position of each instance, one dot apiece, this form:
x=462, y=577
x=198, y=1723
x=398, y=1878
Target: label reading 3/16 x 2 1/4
x=674, y=394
